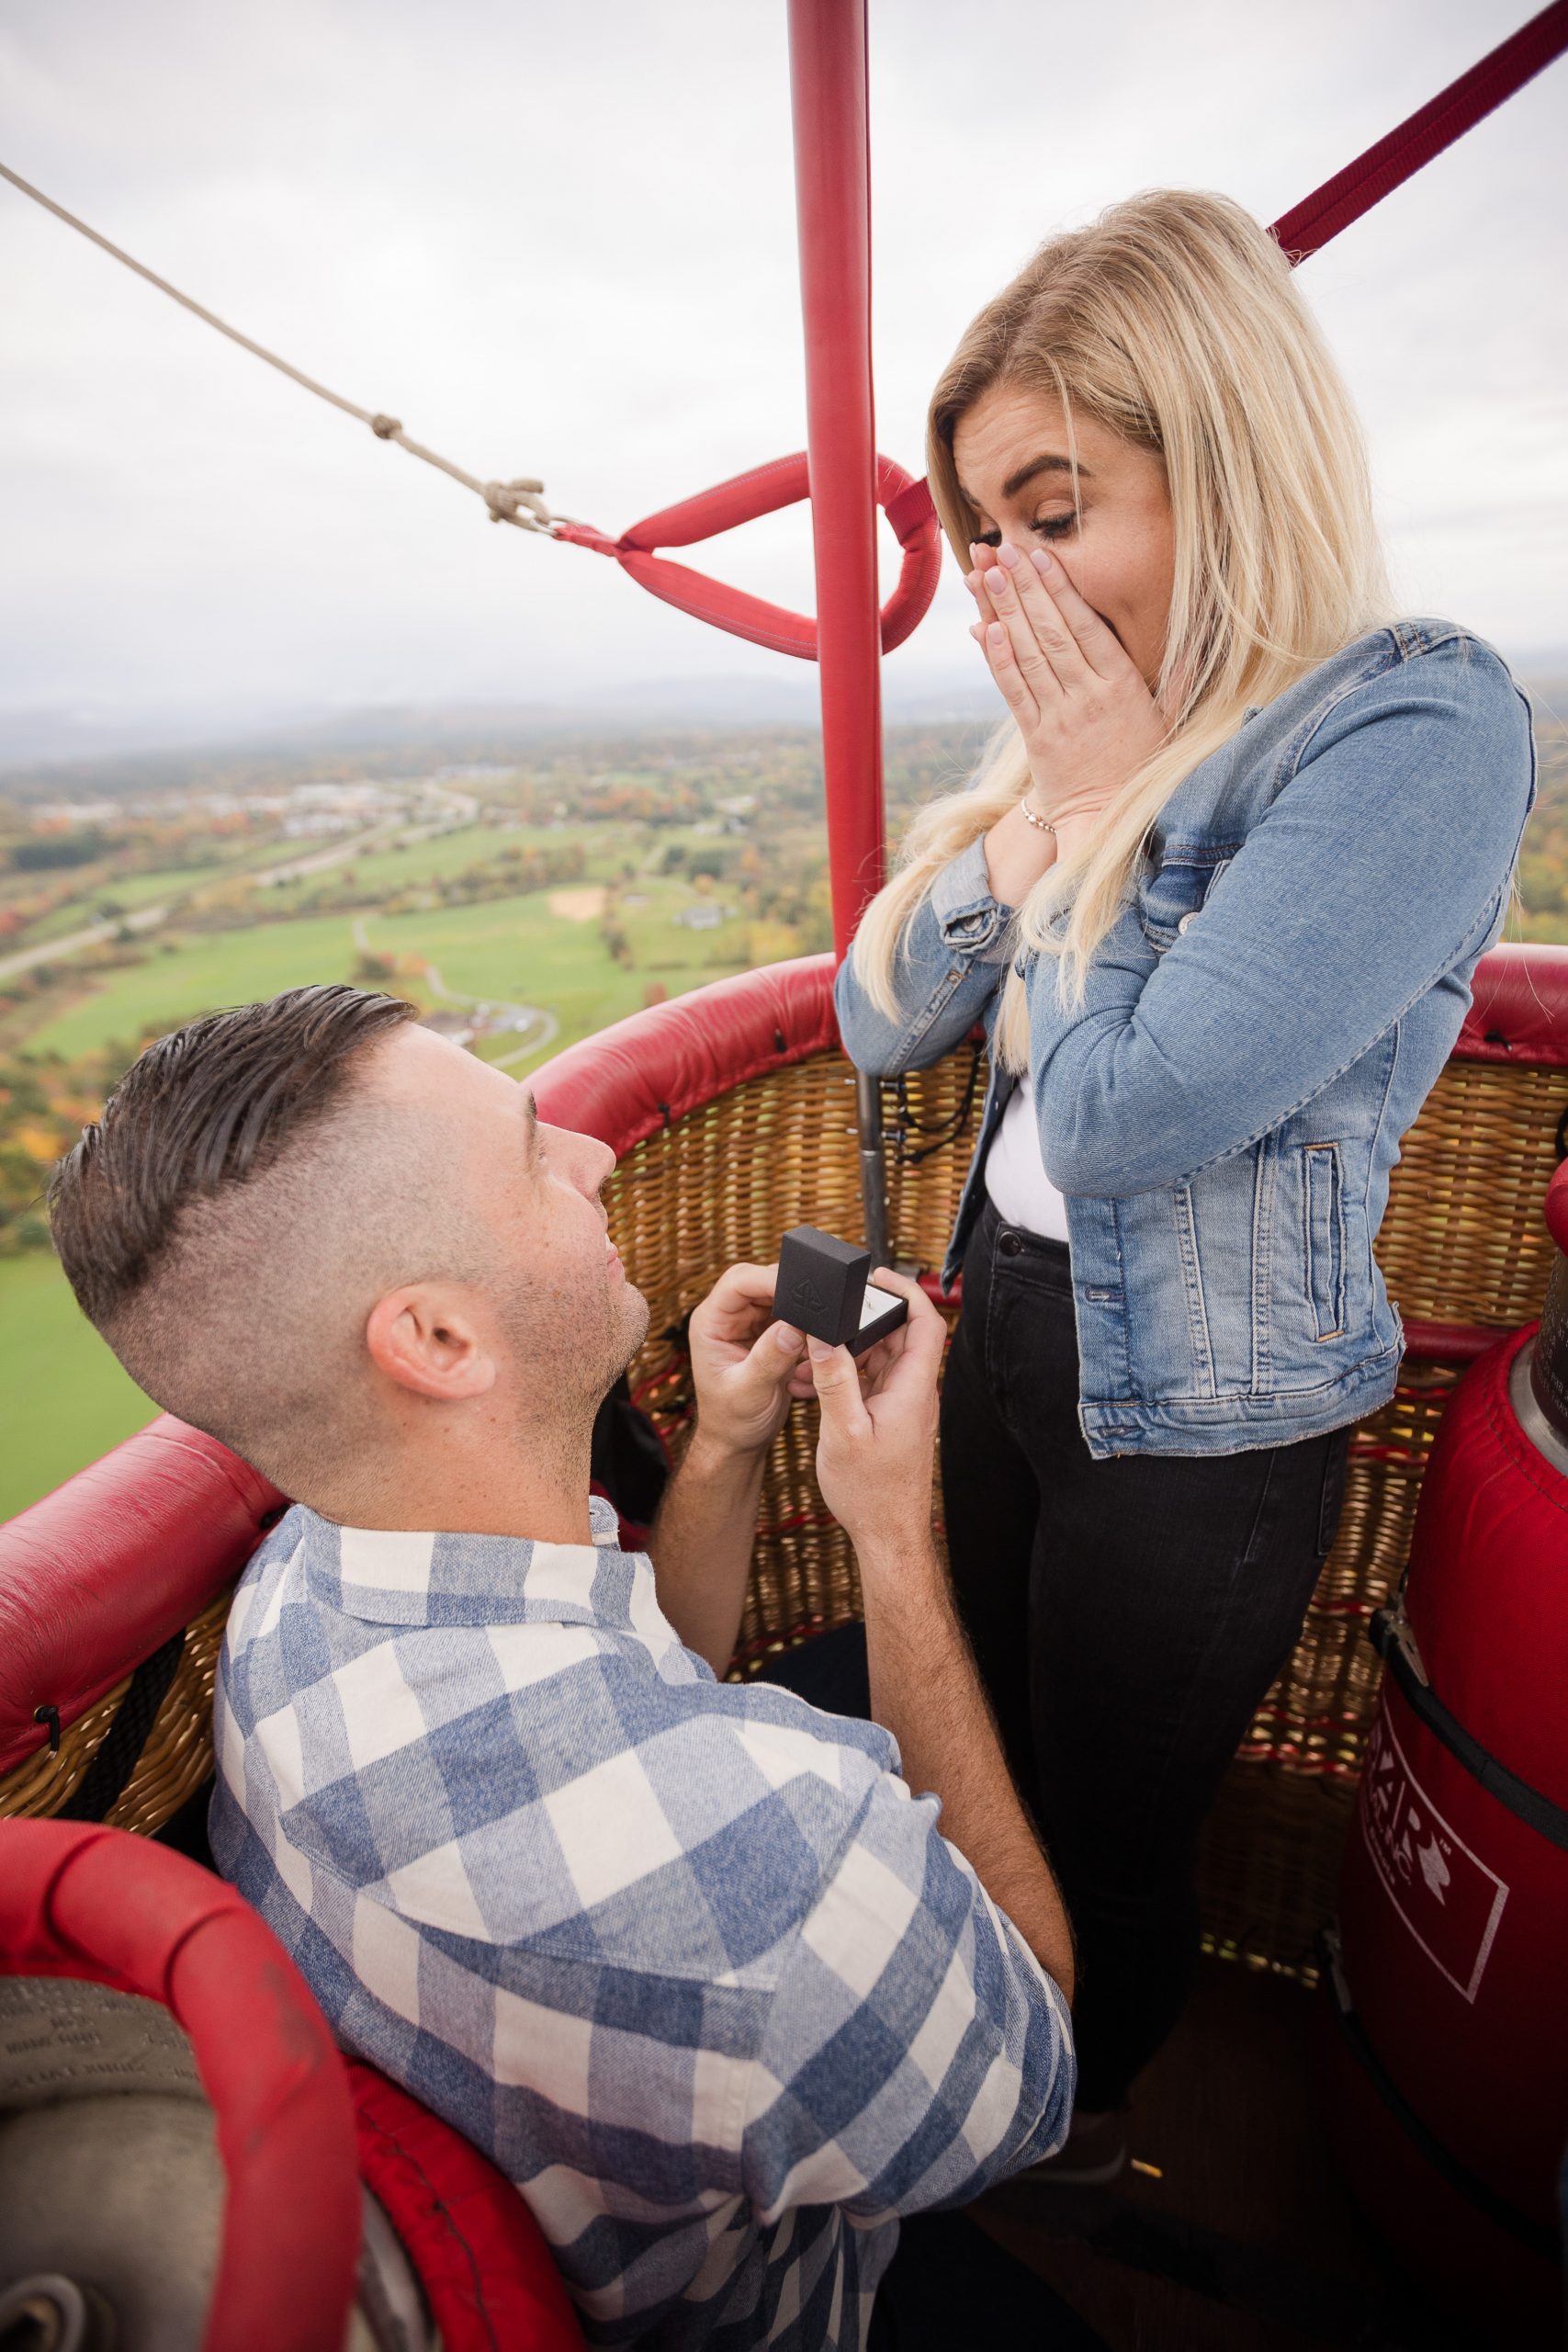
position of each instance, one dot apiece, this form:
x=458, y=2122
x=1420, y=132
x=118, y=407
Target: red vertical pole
x=832, y=178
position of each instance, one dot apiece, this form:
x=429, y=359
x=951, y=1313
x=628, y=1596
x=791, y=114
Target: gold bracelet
x=1041, y=824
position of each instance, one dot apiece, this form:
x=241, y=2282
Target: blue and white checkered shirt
x=685, y=1957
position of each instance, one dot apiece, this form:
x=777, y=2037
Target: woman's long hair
x=1175, y=321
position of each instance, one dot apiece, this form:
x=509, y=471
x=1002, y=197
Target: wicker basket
x=1463, y=1245
x=177, y=1756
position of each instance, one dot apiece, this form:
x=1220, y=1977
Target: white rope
x=509, y=501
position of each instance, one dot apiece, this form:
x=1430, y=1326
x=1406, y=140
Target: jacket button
x=1187, y=919
x=1011, y=1246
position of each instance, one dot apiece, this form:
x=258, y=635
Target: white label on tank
x=1446, y=1895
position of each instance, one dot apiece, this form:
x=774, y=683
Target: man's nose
x=590, y=1161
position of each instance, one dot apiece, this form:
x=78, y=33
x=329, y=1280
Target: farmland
x=524, y=906
x=520, y=904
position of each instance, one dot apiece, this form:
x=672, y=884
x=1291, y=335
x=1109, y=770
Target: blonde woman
x=1217, y=895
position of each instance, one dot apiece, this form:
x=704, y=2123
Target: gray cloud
x=560, y=241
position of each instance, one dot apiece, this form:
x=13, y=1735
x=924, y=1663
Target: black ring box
x=823, y=1289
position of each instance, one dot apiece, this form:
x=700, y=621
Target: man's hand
x=876, y=1453
x=746, y=1367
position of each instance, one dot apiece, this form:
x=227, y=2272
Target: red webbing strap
x=764, y=490
x=79, y=1900
x=1310, y=224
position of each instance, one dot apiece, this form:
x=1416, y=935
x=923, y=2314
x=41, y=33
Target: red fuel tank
x=1450, y=1963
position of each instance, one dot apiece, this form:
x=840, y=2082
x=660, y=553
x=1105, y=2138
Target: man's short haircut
x=210, y=1108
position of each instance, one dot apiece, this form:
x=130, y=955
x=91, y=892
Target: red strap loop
x=764, y=490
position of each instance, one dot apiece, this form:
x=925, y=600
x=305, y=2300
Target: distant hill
x=83, y=754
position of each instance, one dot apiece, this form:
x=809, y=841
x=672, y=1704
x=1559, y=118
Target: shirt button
x=1011, y=1246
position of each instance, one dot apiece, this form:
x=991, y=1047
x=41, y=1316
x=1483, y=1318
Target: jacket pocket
x=1172, y=896
x=1323, y=1193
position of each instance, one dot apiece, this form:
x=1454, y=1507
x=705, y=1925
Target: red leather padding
x=99, y=1574
x=655, y=1067
x=1520, y=1008
x=79, y=1900
x=487, y=2272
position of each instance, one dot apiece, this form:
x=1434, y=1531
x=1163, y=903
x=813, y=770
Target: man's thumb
x=836, y=1384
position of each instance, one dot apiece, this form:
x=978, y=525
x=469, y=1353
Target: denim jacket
x=1261, y=1026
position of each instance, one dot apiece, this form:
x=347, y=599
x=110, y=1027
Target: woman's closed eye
x=1055, y=527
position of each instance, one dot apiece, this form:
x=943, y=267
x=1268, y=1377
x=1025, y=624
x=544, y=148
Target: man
x=685, y=1957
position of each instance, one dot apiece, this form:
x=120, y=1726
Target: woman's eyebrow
x=1015, y=482
x=530, y=1126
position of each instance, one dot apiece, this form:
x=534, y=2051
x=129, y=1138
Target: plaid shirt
x=685, y=1957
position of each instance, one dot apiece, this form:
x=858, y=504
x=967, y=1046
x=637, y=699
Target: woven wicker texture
x=1463, y=1242
x=175, y=1759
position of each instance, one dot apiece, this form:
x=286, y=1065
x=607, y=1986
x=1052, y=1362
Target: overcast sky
x=561, y=240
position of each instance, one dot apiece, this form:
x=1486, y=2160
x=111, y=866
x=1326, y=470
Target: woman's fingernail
x=1006, y=555
x=971, y=582
x=996, y=633
x=976, y=632
x=1044, y=562
x=995, y=580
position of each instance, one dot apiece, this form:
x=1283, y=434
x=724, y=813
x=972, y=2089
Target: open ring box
x=824, y=1289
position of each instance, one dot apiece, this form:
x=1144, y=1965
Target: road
x=539, y=1025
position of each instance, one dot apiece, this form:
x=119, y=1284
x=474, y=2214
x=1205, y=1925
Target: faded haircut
x=241, y=1199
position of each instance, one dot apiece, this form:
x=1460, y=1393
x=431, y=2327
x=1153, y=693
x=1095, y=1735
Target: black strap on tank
x=120, y=1748
x=1540, y=2239
x=1537, y=1812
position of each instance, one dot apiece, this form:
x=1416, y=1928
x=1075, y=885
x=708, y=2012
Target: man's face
x=530, y=1195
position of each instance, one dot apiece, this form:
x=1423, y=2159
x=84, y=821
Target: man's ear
x=425, y=1339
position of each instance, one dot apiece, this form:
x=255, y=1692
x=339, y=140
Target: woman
x=1217, y=895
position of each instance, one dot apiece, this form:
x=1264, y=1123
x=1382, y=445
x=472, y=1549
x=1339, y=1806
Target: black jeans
x=948, y=2285
x=1126, y=1617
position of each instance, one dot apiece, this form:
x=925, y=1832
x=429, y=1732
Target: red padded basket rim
x=78, y=1607
x=657, y=1065
x=79, y=1900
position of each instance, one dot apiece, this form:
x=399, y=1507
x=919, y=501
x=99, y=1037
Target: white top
x=1015, y=1172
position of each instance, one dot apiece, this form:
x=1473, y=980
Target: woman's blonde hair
x=1175, y=321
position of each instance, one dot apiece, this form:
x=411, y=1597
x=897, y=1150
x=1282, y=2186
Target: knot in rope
x=505, y=498
x=384, y=427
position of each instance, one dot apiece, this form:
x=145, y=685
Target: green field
x=64, y=1399
x=203, y=971
x=506, y=950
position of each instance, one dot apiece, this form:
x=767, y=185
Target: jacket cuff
x=968, y=916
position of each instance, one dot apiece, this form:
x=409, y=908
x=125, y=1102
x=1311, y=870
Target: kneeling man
x=685, y=1957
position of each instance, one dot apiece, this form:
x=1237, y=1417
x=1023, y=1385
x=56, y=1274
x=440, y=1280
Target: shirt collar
x=414, y=1578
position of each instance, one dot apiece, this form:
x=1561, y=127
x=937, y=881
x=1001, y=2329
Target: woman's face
x=1012, y=449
